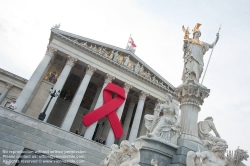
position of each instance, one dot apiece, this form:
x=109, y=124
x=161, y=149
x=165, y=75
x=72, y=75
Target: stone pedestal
x=190, y=95
x=156, y=149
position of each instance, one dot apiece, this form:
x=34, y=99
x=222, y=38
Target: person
x=77, y=131
x=166, y=126
x=194, y=49
x=13, y=105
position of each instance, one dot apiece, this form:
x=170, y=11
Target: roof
x=73, y=37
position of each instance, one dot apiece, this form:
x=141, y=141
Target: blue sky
x=156, y=29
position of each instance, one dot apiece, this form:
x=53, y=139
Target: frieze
x=116, y=58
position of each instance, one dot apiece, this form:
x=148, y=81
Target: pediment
x=122, y=57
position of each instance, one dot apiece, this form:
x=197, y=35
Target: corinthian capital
x=51, y=51
x=9, y=85
x=71, y=61
x=109, y=78
x=143, y=95
x=90, y=70
x=127, y=86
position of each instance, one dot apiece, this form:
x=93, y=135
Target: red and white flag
x=131, y=41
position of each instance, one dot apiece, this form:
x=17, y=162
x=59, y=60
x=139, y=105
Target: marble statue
x=194, y=49
x=111, y=54
x=166, y=127
x=137, y=67
x=204, y=127
x=95, y=49
x=131, y=67
x=141, y=70
x=236, y=158
x=215, y=157
x=161, y=83
x=85, y=44
x=126, y=60
x=104, y=52
x=91, y=47
x=100, y=50
x=153, y=78
x=154, y=162
x=148, y=75
x=127, y=155
x=116, y=57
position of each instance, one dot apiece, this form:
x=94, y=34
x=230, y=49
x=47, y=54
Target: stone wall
x=19, y=131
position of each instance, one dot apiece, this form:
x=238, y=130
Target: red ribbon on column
x=108, y=109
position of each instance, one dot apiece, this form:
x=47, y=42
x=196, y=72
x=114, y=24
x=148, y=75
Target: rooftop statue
x=194, y=49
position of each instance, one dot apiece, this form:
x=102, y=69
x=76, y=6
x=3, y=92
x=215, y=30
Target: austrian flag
x=131, y=41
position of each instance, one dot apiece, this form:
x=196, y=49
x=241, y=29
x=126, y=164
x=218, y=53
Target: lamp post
x=42, y=115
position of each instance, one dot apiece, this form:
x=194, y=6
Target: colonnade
x=75, y=103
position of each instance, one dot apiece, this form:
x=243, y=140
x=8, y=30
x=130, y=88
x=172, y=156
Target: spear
x=210, y=57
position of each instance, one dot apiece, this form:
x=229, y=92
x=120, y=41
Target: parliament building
x=80, y=68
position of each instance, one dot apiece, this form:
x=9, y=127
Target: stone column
x=190, y=95
x=92, y=106
x=75, y=104
x=111, y=137
x=91, y=129
x=128, y=119
x=137, y=117
x=24, y=96
x=59, y=84
x=5, y=92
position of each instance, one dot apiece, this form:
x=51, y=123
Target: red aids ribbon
x=108, y=109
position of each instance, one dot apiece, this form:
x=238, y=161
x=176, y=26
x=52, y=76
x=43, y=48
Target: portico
x=81, y=68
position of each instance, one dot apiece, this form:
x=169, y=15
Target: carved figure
x=104, y=52
x=127, y=155
x=215, y=157
x=141, y=70
x=111, y=54
x=194, y=49
x=95, y=49
x=112, y=156
x=154, y=162
x=204, y=127
x=91, y=47
x=100, y=50
x=166, y=127
x=126, y=60
x=131, y=67
x=153, y=79
x=116, y=57
x=148, y=75
x=85, y=44
x=236, y=158
x=137, y=67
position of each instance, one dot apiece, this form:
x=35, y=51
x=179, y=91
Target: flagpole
x=210, y=57
x=128, y=41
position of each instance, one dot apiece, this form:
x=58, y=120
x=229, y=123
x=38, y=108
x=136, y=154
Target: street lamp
x=42, y=115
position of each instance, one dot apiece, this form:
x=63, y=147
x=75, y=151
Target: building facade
x=11, y=86
x=81, y=68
